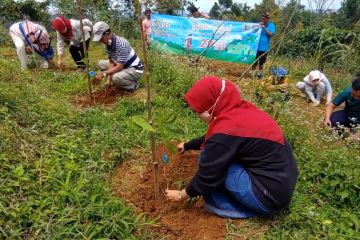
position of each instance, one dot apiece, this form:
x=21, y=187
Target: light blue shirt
x=264, y=42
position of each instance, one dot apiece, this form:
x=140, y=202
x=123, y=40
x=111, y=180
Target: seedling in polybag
x=92, y=74
x=165, y=158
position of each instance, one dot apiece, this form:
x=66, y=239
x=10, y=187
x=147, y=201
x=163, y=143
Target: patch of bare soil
x=105, y=96
x=177, y=220
x=228, y=70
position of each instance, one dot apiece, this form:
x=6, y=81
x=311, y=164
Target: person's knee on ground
x=320, y=91
x=103, y=65
x=127, y=79
x=300, y=86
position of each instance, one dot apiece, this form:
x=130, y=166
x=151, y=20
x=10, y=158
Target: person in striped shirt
x=124, y=67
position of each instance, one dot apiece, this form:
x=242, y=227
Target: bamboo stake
x=79, y=5
x=149, y=107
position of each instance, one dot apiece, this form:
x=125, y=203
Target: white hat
x=99, y=28
x=313, y=77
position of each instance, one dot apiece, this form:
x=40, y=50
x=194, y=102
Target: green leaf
x=142, y=123
x=171, y=147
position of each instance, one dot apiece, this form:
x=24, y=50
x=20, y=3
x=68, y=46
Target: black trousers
x=260, y=61
x=77, y=53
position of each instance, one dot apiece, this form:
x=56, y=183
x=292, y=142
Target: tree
x=215, y=11
x=240, y=10
x=321, y=5
x=29, y=9
x=93, y=9
x=288, y=11
x=266, y=6
x=349, y=14
x=171, y=7
x=123, y=9
x=226, y=3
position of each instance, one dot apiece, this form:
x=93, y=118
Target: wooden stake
x=80, y=13
x=149, y=107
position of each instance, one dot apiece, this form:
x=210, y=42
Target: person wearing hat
x=30, y=37
x=268, y=30
x=196, y=14
x=69, y=31
x=124, y=67
x=315, y=86
x=146, y=25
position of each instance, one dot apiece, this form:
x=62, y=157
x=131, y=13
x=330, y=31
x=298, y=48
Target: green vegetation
x=57, y=159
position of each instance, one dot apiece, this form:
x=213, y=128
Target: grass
x=57, y=159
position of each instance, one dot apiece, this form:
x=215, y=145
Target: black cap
x=266, y=15
x=194, y=9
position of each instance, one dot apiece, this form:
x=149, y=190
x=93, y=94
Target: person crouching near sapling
x=124, y=67
x=246, y=167
x=315, y=86
x=30, y=37
x=350, y=116
x=69, y=30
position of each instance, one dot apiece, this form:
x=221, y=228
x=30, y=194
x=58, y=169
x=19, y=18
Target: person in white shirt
x=69, y=31
x=30, y=37
x=315, y=86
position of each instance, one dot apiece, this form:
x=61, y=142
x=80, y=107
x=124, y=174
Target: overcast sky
x=205, y=5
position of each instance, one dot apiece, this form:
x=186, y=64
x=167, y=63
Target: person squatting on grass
x=124, y=67
x=315, y=86
x=69, y=31
x=246, y=167
x=350, y=116
x=268, y=30
x=30, y=37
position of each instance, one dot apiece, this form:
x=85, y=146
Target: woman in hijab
x=246, y=167
x=30, y=37
x=69, y=30
x=315, y=86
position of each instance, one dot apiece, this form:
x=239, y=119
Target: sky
x=205, y=5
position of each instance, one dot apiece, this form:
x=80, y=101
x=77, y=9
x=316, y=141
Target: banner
x=226, y=40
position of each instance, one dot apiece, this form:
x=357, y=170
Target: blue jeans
x=237, y=199
x=341, y=118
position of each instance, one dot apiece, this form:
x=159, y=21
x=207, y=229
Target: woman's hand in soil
x=181, y=147
x=176, y=195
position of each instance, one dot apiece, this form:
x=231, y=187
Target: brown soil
x=177, y=220
x=105, y=96
x=228, y=70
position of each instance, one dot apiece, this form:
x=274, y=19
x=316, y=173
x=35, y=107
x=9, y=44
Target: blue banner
x=223, y=40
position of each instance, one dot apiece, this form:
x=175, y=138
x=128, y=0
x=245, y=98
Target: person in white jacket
x=69, y=31
x=315, y=86
x=30, y=37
